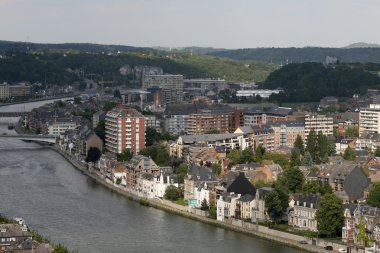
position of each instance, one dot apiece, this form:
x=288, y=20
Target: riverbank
x=235, y=225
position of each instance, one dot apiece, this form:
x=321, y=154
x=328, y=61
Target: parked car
x=342, y=250
x=329, y=247
x=303, y=242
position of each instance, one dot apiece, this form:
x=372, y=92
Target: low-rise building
x=11, y=234
x=303, y=211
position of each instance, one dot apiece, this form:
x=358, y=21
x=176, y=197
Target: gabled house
x=197, y=176
x=137, y=165
x=226, y=206
x=303, y=211
x=11, y=234
x=241, y=185
x=244, y=206
x=259, y=209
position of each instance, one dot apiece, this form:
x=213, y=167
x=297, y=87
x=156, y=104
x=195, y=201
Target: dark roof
x=361, y=153
x=201, y=174
x=242, y=186
x=309, y=199
x=355, y=184
x=270, y=109
x=246, y=198
x=264, y=129
x=228, y=178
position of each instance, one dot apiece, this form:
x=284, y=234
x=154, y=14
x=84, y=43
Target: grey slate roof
x=246, y=198
x=207, y=137
x=288, y=124
x=308, y=199
x=355, y=184
x=263, y=191
x=201, y=174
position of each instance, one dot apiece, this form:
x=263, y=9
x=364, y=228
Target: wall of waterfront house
x=196, y=214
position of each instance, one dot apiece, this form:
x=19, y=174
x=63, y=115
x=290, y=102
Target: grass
x=181, y=202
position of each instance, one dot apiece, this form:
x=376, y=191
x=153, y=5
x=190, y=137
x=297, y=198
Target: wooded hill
x=308, y=82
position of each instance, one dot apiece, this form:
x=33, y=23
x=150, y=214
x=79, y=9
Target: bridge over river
x=31, y=137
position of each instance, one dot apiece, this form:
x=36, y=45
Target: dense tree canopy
x=374, y=195
x=292, y=179
x=329, y=215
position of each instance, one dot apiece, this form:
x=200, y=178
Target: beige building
x=369, y=119
x=319, y=123
x=125, y=129
x=4, y=91
x=303, y=211
x=285, y=133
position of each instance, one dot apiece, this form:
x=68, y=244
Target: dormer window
x=3, y=230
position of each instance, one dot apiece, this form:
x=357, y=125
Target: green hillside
x=60, y=68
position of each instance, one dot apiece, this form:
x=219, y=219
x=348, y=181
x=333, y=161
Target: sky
x=180, y=23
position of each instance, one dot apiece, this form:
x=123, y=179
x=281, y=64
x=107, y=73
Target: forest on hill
x=311, y=81
x=300, y=55
x=64, y=68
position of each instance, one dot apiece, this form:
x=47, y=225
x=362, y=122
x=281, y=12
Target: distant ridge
x=363, y=45
x=21, y=46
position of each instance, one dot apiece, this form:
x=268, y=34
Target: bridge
x=12, y=114
x=31, y=137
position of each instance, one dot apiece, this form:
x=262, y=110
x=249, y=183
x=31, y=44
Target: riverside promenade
x=235, y=225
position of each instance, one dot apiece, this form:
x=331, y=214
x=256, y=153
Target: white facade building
x=59, y=127
x=369, y=119
x=319, y=123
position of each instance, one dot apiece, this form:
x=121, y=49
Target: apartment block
x=125, y=129
x=369, y=119
x=4, y=91
x=168, y=88
x=285, y=133
x=266, y=113
x=319, y=123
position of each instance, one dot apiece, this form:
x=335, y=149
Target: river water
x=55, y=199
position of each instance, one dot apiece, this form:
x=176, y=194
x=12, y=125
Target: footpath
x=316, y=245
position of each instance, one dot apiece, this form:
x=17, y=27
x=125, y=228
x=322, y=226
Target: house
x=347, y=180
x=162, y=182
x=368, y=141
x=137, y=165
x=259, y=209
x=343, y=144
x=355, y=214
x=244, y=206
x=11, y=234
x=226, y=206
x=197, y=176
x=303, y=211
x=376, y=236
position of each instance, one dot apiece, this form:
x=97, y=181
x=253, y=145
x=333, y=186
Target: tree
x=259, y=153
x=234, y=156
x=349, y=154
x=117, y=94
x=295, y=159
x=316, y=187
x=298, y=143
x=126, y=156
x=108, y=106
x=352, y=132
x=151, y=136
x=273, y=203
x=277, y=158
x=307, y=159
x=181, y=172
x=77, y=100
x=292, y=179
x=118, y=180
x=212, y=211
x=100, y=130
x=93, y=155
x=329, y=215
x=172, y=193
x=377, y=152
x=374, y=195
x=159, y=155
x=216, y=169
x=247, y=155
x=204, y=205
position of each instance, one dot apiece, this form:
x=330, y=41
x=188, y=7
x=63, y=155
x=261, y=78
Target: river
x=58, y=201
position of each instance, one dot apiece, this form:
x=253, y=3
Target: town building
x=266, y=113
x=303, y=211
x=4, y=91
x=226, y=206
x=152, y=121
x=169, y=87
x=286, y=132
x=263, y=93
x=263, y=135
x=328, y=102
x=11, y=234
x=97, y=117
x=202, y=87
x=318, y=123
x=58, y=126
x=20, y=90
x=369, y=119
x=137, y=166
x=197, y=176
x=368, y=141
x=125, y=129
x=259, y=211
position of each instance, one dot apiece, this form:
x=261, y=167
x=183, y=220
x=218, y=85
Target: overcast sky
x=178, y=23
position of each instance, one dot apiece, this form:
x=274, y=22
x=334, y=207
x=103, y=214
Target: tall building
x=266, y=113
x=125, y=129
x=369, y=119
x=319, y=123
x=285, y=133
x=169, y=87
x=4, y=91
